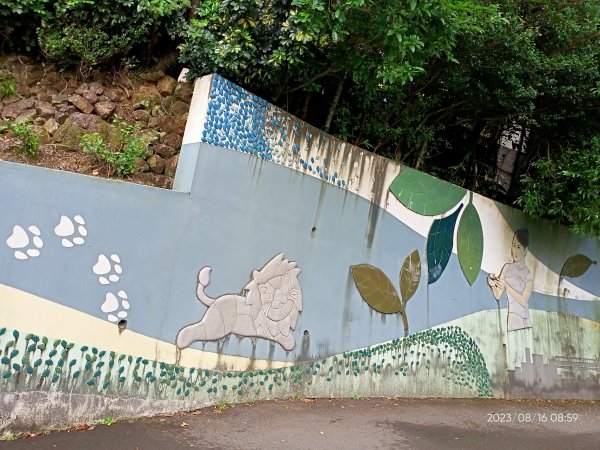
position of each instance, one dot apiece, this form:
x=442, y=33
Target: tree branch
x=329, y=71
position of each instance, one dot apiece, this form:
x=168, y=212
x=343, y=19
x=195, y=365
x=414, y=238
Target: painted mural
x=517, y=281
x=393, y=282
x=269, y=309
x=379, y=292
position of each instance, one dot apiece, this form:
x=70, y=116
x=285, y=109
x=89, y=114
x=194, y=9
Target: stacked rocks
x=60, y=108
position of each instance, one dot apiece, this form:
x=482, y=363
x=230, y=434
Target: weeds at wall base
x=29, y=140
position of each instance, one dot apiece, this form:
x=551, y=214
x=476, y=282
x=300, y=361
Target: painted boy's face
x=518, y=251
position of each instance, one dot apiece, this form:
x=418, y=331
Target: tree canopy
x=433, y=84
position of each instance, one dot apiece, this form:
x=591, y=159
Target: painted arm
x=498, y=284
x=521, y=297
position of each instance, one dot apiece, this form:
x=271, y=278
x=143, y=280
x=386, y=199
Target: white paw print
x=111, y=305
x=66, y=230
x=108, y=270
x=20, y=239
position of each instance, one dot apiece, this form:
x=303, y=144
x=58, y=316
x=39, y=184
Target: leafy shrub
x=8, y=85
x=123, y=148
x=246, y=41
x=30, y=142
x=18, y=22
x=566, y=188
x=99, y=32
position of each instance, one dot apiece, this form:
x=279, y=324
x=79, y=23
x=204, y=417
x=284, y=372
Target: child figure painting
x=517, y=280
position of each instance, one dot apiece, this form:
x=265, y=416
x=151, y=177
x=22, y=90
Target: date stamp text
x=513, y=417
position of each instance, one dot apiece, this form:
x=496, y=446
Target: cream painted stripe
x=29, y=313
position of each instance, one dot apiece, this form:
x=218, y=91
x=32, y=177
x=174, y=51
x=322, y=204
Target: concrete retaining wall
x=283, y=263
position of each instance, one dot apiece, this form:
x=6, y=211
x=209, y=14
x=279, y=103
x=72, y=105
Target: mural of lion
x=269, y=309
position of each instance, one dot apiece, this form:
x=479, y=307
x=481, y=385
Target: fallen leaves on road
x=307, y=400
x=83, y=427
x=184, y=424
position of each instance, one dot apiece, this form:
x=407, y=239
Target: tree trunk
x=334, y=103
x=305, y=108
x=421, y=157
x=192, y=11
x=473, y=145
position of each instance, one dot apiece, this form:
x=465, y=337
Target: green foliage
x=389, y=39
x=566, y=188
x=301, y=41
x=22, y=7
x=243, y=39
x=8, y=85
x=536, y=68
x=95, y=33
x=108, y=420
x=125, y=146
x=220, y=406
x=18, y=22
x=30, y=142
x=430, y=83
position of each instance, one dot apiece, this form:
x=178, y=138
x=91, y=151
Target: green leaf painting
x=410, y=275
x=576, y=266
x=439, y=245
x=376, y=289
x=469, y=242
x=424, y=194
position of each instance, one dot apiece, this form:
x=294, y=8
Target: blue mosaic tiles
x=239, y=120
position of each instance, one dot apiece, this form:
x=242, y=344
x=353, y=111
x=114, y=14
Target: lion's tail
x=203, y=280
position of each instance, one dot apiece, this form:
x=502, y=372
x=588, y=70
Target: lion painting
x=269, y=309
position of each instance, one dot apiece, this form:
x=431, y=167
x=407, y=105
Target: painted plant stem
x=404, y=319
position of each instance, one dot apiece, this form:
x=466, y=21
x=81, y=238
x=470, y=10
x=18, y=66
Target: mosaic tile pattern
x=31, y=362
x=239, y=120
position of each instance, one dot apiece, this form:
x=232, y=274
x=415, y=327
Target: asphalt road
x=376, y=423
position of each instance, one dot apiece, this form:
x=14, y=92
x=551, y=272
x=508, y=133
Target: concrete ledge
x=26, y=411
